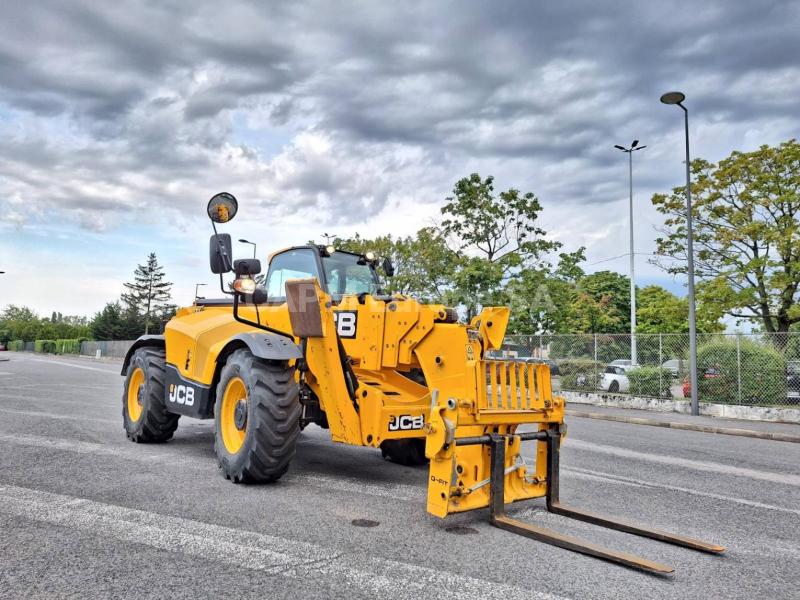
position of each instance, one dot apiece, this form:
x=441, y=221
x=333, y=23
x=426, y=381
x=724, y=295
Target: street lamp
x=634, y=147
x=196, y=286
x=678, y=98
x=252, y=244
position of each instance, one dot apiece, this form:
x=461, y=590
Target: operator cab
x=339, y=273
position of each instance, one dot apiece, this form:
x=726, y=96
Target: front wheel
x=144, y=411
x=614, y=387
x=257, y=418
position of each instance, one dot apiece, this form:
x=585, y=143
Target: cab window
x=292, y=264
x=348, y=274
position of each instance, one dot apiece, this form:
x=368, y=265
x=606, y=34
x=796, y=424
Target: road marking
x=698, y=465
x=608, y=477
x=74, y=366
x=48, y=415
x=247, y=550
x=352, y=485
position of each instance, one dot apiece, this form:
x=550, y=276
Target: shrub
x=579, y=373
x=68, y=346
x=762, y=368
x=44, y=346
x=16, y=345
x=649, y=381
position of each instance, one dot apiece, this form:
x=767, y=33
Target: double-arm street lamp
x=634, y=147
x=678, y=98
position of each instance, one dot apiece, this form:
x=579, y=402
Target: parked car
x=672, y=365
x=2, y=347
x=793, y=380
x=707, y=373
x=614, y=378
x=621, y=362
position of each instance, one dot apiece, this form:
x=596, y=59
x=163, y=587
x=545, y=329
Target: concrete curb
x=753, y=433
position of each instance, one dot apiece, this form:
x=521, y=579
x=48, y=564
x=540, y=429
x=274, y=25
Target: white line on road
x=74, y=366
x=390, y=490
x=48, y=415
x=352, y=485
x=271, y=555
x=608, y=477
x=698, y=465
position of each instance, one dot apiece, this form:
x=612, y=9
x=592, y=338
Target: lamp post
x=252, y=244
x=634, y=147
x=196, y=286
x=678, y=98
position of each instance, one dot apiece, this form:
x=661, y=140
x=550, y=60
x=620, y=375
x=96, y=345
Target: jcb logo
x=346, y=323
x=181, y=394
x=406, y=422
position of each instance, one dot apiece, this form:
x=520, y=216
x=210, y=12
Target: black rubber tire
x=613, y=387
x=156, y=423
x=273, y=419
x=409, y=452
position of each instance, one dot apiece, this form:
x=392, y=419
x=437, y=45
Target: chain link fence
x=744, y=369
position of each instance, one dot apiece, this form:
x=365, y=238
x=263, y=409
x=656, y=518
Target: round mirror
x=222, y=207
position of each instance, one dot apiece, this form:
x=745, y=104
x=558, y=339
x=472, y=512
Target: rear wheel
x=144, y=410
x=409, y=452
x=257, y=418
x=614, y=387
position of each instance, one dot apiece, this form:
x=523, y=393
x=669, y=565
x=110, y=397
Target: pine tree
x=148, y=294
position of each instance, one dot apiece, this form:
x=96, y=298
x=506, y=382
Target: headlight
x=370, y=256
x=245, y=285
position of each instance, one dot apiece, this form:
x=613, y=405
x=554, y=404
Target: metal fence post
x=660, y=369
x=739, y=368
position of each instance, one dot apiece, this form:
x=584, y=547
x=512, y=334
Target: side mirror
x=220, y=253
x=388, y=267
x=222, y=207
x=247, y=266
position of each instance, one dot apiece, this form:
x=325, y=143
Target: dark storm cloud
x=134, y=103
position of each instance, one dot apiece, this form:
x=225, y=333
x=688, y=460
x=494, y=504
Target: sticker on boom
x=346, y=321
x=181, y=394
x=406, y=422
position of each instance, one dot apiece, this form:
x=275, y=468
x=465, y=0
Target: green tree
x=660, y=311
x=148, y=294
x=603, y=303
x=496, y=235
x=541, y=300
x=115, y=322
x=747, y=234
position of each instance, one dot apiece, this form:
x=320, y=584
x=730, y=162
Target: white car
x=614, y=378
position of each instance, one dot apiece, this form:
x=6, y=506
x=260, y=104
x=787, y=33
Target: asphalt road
x=85, y=513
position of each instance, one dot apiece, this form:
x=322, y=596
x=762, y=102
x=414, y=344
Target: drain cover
x=461, y=530
x=364, y=523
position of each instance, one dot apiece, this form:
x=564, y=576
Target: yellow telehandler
x=321, y=343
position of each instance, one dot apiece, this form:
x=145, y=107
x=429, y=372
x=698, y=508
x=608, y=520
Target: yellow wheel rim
x=232, y=432
x=135, y=392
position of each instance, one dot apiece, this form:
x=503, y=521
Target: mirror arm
x=244, y=321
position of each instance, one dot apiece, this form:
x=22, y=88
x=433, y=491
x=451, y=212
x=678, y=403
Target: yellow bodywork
x=466, y=395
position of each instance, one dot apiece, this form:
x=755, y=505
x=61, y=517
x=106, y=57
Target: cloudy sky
x=119, y=120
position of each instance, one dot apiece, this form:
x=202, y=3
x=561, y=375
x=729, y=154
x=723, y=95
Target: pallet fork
x=498, y=517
